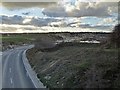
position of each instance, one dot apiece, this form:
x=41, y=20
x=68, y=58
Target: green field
x=19, y=38
x=82, y=66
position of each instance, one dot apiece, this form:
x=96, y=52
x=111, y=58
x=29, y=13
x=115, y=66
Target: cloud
x=32, y=29
x=80, y=9
x=19, y=28
x=55, y=11
x=35, y=24
x=48, y=21
x=109, y=0
x=24, y=5
x=27, y=20
x=58, y=24
x=12, y=19
x=89, y=26
x=108, y=21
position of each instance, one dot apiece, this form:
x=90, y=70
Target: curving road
x=14, y=74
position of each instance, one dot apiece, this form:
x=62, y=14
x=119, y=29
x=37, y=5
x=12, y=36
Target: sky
x=65, y=15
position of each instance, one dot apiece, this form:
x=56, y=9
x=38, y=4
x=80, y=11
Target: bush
x=115, y=36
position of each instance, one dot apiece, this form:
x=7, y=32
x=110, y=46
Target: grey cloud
x=34, y=21
x=39, y=22
x=81, y=9
x=22, y=5
x=55, y=12
x=101, y=27
x=11, y=20
x=91, y=26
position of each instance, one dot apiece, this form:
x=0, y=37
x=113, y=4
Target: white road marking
x=10, y=70
x=0, y=53
x=18, y=55
x=11, y=80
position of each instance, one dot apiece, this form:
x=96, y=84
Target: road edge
x=31, y=73
x=1, y=70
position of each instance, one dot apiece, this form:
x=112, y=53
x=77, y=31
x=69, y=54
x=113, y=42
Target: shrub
x=115, y=36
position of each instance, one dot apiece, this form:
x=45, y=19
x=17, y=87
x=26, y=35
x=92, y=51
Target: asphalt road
x=14, y=74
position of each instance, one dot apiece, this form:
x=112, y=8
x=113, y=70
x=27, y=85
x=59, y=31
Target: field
x=81, y=65
x=13, y=40
x=77, y=67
